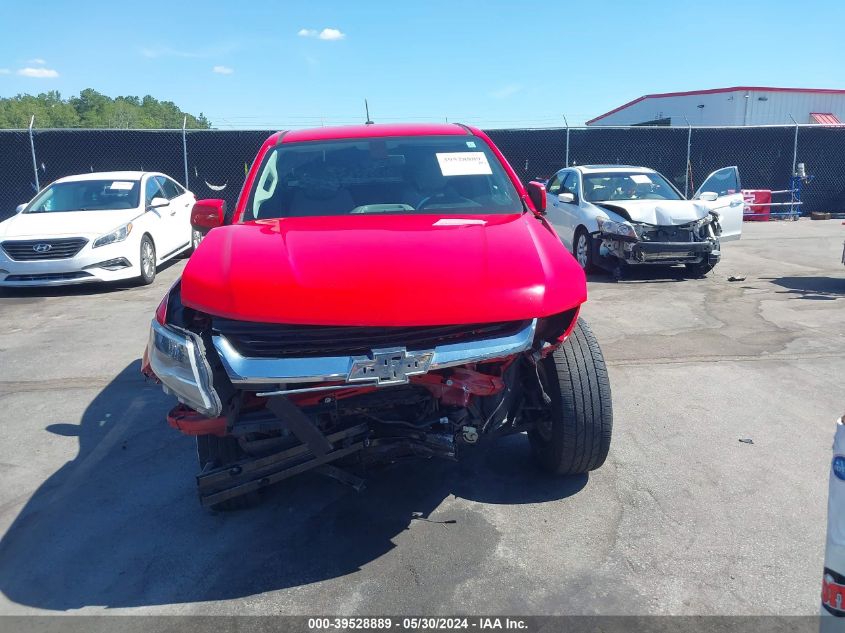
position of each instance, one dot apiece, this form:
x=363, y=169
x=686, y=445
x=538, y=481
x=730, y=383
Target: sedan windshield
x=604, y=187
x=397, y=175
x=87, y=195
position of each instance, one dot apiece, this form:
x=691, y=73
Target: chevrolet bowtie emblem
x=389, y=366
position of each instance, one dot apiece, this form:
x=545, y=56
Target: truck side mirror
x=208, y=214
x=537, y=195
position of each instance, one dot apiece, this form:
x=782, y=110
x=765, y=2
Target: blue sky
x=491, y=63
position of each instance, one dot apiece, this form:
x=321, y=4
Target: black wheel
x=700, y=269
x=582, y=249
x=148, y=261
x=220, y=451
x=575, y=436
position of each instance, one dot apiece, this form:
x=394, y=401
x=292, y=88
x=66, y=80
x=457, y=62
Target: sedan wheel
x=148, y=261
x=583, y=250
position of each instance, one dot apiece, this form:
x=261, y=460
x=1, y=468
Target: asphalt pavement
x=98, y=509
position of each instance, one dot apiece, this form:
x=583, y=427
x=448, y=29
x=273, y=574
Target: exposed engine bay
x=275, y=430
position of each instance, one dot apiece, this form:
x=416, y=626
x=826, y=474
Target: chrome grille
x=31, y=250
x=268, y=340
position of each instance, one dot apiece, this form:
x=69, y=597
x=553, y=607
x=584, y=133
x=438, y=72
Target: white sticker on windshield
x=122, y=185
x=471, y=144
x=463, y=164
x=640, y=179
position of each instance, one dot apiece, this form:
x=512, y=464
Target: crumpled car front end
x=666, y=233
x=638, y=243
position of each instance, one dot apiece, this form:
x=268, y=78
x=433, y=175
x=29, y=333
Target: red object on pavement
x=759, y=212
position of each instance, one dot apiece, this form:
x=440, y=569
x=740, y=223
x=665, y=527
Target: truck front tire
x=575, y=436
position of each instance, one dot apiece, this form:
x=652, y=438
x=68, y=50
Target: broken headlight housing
x=619, y=230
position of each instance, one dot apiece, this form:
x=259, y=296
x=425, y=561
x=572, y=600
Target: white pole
x=32, y=147
x=185, y=150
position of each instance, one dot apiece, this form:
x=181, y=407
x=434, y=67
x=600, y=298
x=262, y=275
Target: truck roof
x=370, y=131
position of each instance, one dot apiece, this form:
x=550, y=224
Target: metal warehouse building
x=740, y=105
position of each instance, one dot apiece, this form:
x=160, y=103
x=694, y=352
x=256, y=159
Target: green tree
x=93, y=109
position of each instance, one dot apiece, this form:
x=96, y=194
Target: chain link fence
x=213, y=163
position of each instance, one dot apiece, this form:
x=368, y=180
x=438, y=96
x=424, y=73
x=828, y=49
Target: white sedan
x=613, y=216
x=103, y=226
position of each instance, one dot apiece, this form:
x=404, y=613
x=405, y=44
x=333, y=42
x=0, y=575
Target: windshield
x=628, y=186
x=87, y=195
x=398, y=175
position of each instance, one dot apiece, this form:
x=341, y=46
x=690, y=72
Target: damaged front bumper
x=178, y=359
x=645, y=244
x=672, y=252
x=383, y=367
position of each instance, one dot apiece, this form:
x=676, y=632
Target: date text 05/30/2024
x=415, y=623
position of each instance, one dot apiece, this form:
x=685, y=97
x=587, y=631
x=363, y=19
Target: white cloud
x=222, y=70
x=506, y=91
x=326, y=34
x=4, y=71
x=332, y=34
x=38, y=73
x=37, y=61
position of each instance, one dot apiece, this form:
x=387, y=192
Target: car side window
x=723, y=183
x=570, y=185
x=169, y=187
x=554, y=184
x=152, y=190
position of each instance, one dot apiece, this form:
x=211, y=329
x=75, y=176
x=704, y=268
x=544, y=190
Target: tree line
x=92, y=109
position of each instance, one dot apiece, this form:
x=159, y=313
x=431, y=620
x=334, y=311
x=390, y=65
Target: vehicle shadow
x=120, y=525
x=813, y=288
x=81, y=290
x=642, y=274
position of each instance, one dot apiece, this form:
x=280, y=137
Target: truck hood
x=657, y=212
x=71, y=223
x=383, y=270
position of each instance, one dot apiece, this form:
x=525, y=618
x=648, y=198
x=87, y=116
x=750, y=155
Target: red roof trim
x=716, y=91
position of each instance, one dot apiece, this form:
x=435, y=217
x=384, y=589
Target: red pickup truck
x=379, y=291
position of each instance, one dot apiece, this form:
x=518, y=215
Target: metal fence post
x=32, y=147
x=687, y=166
x=185, y=151
x=566, y=164
x=794, y=147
